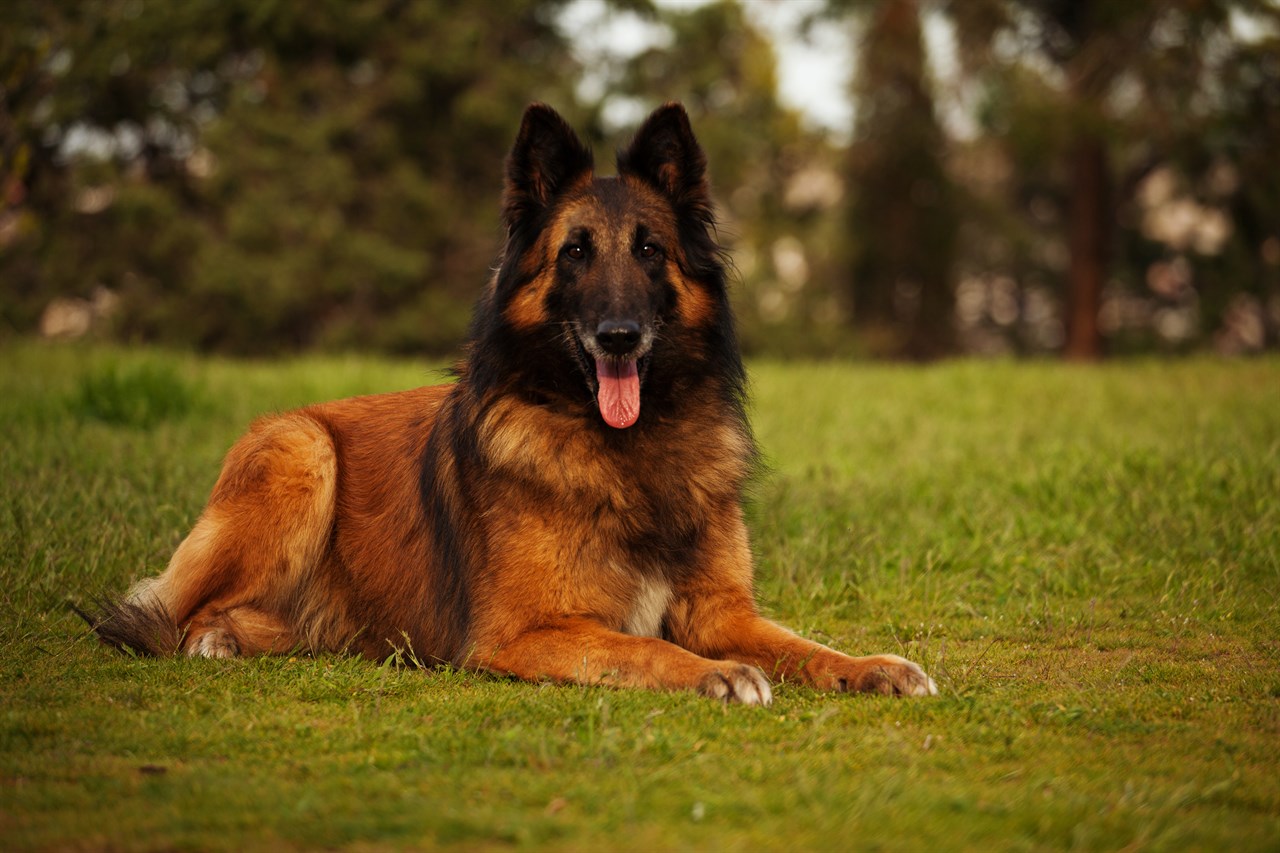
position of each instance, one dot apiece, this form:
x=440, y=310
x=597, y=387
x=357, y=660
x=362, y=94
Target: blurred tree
x=902, y=216
x=725, y=72
x=1233, y=168
x=1134, y=81
x=252, y=176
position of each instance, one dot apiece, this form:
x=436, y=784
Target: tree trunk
x=902, y=215
x=1090, y=235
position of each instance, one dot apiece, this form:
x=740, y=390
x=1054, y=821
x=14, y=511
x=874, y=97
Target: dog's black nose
x=618, y=337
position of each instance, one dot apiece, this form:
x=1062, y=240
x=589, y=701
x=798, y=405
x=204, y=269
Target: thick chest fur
x=645, y=497
x=577, y=521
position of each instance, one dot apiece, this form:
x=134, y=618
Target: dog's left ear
x=665, y=153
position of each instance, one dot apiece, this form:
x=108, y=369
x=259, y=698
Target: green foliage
x=257, y=180
x=1161, y=88
x=1085, y=558
x=248, y=177
x=136, y=395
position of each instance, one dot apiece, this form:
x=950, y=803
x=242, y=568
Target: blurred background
x=906, y=179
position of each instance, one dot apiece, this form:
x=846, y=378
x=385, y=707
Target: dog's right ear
x=546, y=159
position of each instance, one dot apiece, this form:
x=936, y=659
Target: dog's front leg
x=736, y=632
x=581, y=650
x=714, y=614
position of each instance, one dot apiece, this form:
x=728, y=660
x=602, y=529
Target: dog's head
x=614, y=283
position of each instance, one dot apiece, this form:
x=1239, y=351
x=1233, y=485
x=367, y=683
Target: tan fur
x=309, y=542
x=527, y=310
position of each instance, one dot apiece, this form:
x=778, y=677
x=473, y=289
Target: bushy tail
x=138, y=624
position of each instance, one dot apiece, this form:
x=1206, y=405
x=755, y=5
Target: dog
x=569, y=508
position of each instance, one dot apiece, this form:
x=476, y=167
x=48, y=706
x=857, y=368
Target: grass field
x=1087, y=559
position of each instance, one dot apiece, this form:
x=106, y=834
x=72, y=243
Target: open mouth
x=615, y=380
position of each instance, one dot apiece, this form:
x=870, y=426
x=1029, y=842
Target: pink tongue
x=619, y=396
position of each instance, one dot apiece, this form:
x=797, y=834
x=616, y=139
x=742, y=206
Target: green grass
x=1087, y=560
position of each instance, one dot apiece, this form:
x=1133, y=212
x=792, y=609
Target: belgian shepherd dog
x=570, y=508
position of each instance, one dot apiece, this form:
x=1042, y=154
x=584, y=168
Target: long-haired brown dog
x=568, y=509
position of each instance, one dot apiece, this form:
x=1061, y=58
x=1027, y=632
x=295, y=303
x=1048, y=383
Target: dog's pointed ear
x=665, y=153
x=547, y=158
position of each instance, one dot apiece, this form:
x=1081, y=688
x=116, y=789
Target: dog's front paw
x=736, y=682
x=888, y=674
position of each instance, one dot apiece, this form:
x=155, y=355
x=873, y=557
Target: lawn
x=1087, y=559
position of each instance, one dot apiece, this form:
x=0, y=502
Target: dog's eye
x=574, y=252
x=649, y=250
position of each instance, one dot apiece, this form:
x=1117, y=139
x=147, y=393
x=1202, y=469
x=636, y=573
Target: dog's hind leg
x=238, y=581
x=224, y=633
